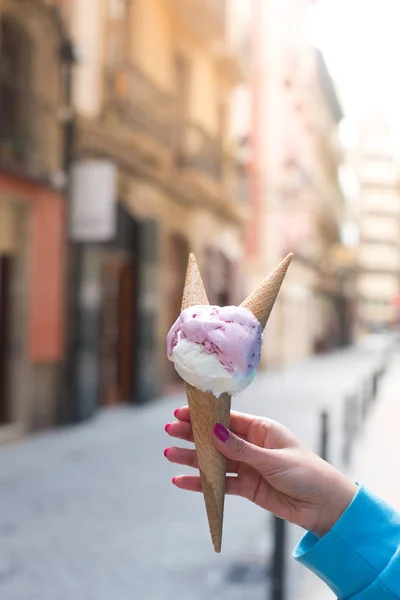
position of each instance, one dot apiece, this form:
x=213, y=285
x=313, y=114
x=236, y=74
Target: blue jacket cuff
x=357, y=548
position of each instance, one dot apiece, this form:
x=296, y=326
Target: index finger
x=240, y=423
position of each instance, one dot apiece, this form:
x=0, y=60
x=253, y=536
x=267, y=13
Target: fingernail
x=168, y=425
x=173, y=480
x=166, y=452
x=176, y=412
x=221, y=432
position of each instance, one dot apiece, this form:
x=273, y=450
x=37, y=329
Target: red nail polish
x=166, y=452
x=176, y=412
x=168, y=425
x=221, y=432
x=173, y=480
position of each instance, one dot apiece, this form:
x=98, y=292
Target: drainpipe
x=67, y=392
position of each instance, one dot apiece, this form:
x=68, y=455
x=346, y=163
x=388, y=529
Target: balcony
x=131, y=99
x=200, y=152
x=30, y=134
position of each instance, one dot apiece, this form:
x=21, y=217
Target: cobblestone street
x=89, y=513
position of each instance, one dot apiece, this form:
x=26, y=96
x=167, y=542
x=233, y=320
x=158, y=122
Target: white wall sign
x=93, y=201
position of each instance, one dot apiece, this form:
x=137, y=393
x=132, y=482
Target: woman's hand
x=272, y=468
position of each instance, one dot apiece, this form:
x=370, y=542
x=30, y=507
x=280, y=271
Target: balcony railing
x=30, y=133
x=200, y=151
x=134, y=100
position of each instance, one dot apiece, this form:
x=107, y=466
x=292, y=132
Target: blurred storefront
x=31, y=218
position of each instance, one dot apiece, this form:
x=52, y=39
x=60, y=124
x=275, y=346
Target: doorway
x=178, y=253
x=182, y=87
x=117, y=330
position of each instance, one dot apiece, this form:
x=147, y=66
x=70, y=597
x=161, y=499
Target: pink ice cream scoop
x=216, y=349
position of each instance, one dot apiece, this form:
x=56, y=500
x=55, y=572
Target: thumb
x=235, y=448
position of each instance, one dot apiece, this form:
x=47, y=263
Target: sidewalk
x=378, y=451
x=375, y=460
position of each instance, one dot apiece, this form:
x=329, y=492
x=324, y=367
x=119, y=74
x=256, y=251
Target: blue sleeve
x=359, y=558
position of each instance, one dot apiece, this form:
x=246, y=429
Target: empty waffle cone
x=261, y=301
x=205, y=411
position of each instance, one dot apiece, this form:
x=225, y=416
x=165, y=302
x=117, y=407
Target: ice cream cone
x=205, y=411
x=261, y=301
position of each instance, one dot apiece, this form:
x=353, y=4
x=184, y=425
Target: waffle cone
x=205, y=411
x=193, y=292
x=261, y=301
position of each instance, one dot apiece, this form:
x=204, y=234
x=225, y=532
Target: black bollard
x=375, y=384
x=366, y=396
x=350, y=426
x=324, y=432
x=278, y=566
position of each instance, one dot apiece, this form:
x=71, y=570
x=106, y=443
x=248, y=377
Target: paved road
x=89, y=513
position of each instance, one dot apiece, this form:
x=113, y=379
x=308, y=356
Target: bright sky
x=361, y=43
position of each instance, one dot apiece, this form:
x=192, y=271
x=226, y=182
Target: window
x=182, y=87
x=116, y=9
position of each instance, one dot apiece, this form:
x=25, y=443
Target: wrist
x=337, y=499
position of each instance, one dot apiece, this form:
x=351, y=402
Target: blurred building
x=378, y=207
x=153, y=94
x=32, y=142
x=297, y=202
x=119, y=154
